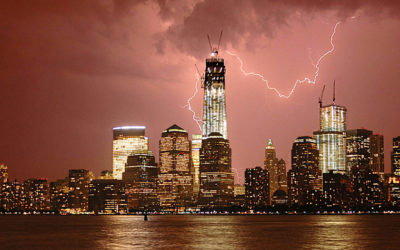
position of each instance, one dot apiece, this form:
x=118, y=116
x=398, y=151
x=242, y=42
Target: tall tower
x=305, y=178
x=358, y=148
x=271, y=164
x=214, y=103
x=331, y=137
x=175, y=180
x=126, y=140
x=216, y=177
x=377, y=154
x=196, y=146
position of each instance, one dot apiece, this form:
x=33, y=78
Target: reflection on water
x=201, y=232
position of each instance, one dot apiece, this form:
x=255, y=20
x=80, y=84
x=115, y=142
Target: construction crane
x=320, y=98
x=214, y=51
x=334, y=85
x=201, y=76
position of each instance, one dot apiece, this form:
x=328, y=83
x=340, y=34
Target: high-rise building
x=3, y=174
x=257, y=188
x=196, y=146
x=78, y=183
x=126, y=140
x=36, y=195
x=276, y=169
x=141, y=177
x=216, y=177
x=107, y=196
x=214, y=103
x=59, y=194
x=331, y=138
x=358, y=147
x=282, y=178
x=337, y=190
x=18, y=196
x=239, y=196
x=175, y=180
x=377, y=160
x=396, y=156
x=367, y=188
x=305, y=177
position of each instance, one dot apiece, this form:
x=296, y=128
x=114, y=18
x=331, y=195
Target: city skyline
x=59, y=106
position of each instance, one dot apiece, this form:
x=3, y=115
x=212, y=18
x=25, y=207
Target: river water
x=201, y=232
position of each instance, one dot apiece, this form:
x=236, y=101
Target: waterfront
x=201, y=232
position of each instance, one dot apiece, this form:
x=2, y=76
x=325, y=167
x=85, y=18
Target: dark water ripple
x=201, y=232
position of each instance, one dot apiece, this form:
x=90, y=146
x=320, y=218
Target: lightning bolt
x=305, y=80
x=189, y=106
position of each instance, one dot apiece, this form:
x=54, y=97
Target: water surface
x=201, y=232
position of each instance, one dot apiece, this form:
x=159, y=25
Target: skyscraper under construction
x=331, y=137
x=214, y=103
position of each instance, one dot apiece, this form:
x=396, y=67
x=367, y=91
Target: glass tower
x=126, y=140
x=331, y=139
x=214, y=104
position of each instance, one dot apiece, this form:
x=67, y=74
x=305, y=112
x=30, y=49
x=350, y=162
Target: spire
x=270, y=145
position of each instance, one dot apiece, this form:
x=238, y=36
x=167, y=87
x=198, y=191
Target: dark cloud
x=253, y=18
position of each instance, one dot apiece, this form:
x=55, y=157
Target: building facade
x=216, y=177
x=331, y=139
x=196, y=146
x=107, y=196
x=175, y=185
x=126, y=140
x=276, y=169
x=141, y=179
x=377, y=160
x=214, y=103
x=257, y=190
x=78, y=182
x=358, y=147
x=396, y=156
x=305, y=177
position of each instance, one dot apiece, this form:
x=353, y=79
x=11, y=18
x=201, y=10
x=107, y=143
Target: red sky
x=72, y=70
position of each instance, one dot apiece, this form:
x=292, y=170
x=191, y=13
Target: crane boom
x=209, y=43
x=320, y=98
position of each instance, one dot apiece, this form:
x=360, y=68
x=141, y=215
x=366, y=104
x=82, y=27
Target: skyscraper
x=141, y=178
x=282, y=178
x=126, y=140
x=331, y=138
x=276, y=169
x=257, y=188
x=396, y=156
x=216, y=177
x=214, y=104
x=175, y=180
x=305, y=177
x=78, y=183
x=196, y=146
x=377, y=160
x=358, y=148
x=107, y=196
